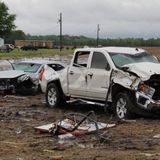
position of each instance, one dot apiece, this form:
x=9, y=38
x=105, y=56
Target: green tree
x=15, y=35
x=6, y=20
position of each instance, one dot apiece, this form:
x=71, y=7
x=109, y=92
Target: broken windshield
x=27, y=67
x=121, y=59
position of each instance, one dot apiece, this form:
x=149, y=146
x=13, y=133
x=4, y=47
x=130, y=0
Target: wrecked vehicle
x=125, y=79
x=36, y=69
x=16, y=82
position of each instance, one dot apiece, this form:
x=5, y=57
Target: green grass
x=40, y=52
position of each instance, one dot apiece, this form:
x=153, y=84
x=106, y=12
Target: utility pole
x=60, y=40
x=98, y=29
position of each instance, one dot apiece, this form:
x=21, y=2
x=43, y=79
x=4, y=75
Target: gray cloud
x=117, y=18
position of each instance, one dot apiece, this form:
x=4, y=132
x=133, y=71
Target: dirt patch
x=154, y=50
x=19, y=140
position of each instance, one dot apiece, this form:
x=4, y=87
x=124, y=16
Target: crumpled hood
x=10, y=74
x=145, y=69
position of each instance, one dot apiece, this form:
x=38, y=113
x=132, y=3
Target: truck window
x=99, y=61
x=81, y=59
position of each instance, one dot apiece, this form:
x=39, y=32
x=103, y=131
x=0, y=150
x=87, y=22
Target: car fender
x=122, y=81
x=49, y=75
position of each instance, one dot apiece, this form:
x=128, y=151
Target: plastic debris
x=75, y=124
x=157, y=136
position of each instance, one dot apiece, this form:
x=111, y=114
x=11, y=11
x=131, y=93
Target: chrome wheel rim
x=52, y=96
x=121, y=109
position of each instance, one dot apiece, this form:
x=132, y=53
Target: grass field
x=39, y=52
x=49, y=52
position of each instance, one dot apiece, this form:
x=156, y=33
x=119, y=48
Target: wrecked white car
x=16, y=82
x=125, y=79
x=37, y=68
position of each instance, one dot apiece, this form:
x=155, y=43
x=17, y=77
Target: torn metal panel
x=16, y=82
x=125, y=79
x=45, y=128
x=134, y=73
x=10, y=74
x=74, y=124
x=144, y=69
x=67, y=124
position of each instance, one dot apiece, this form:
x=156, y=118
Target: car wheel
x=52, y=96
x=122, y=106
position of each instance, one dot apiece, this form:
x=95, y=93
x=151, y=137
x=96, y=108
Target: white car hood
x=144, y=70
x=10, y=74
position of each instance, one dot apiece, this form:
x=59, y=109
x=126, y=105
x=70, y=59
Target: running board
x=86, y=102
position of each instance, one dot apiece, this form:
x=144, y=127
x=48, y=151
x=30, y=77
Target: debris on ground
x=14, y=97
x=128, y=121
x=157, y=136
x=75, y=124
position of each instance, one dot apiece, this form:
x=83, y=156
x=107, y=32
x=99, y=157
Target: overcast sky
x=117, y=18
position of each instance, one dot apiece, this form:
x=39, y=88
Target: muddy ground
x=19, y=115
x=19, y=141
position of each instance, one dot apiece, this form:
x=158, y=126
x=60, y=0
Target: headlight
x=147, y=90
x=141, y=87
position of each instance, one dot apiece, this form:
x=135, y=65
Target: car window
x=56, y=67
x=27, y=67
x=81, y=59
x=99, y=61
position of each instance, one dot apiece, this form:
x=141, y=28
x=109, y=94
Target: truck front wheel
x=122, y=106
x=52, y=96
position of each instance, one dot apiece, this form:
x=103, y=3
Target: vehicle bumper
x=146, y=102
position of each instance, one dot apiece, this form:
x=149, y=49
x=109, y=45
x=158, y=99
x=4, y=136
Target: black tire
x=52, y=96
x=122, y=106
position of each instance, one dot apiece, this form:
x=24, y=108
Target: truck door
x=98, y=77
x=77, y=74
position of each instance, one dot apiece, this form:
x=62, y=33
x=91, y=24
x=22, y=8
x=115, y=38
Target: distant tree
x=6, y=20
x=15, y=35
x=77, y=41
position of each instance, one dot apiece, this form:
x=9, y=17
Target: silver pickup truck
x=125, y=79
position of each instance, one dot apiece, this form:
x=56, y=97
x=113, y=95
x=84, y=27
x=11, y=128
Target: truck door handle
x=90, y=74
x=71, y=72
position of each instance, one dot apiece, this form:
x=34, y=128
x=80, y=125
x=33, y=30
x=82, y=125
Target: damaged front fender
x=125, y=79
x=128, y=81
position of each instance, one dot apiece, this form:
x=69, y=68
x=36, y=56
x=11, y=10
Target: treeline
x=83, y=41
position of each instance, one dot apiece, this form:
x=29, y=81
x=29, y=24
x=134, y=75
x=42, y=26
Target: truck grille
x=154, y=82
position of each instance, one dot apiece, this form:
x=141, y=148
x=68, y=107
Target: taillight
x=41, y=73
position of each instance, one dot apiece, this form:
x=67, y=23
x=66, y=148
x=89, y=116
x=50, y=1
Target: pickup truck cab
x=125, y=79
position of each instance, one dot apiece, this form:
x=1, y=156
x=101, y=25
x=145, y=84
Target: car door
x=98, y=77
x=77, y=74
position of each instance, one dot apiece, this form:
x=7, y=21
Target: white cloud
x=117, y=18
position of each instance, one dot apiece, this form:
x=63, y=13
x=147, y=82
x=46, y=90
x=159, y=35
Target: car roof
x=123, y=50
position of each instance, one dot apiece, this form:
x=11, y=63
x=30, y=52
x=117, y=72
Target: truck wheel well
x=116, y=88
x=57, y=83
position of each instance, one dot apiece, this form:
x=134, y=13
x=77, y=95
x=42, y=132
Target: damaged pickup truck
x=125, y=79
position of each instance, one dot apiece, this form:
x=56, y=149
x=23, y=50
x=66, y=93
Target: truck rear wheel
x=122, y=106
x=52, y=96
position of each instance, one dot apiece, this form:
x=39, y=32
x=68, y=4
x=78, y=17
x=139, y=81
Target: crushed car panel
x=12, y=82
